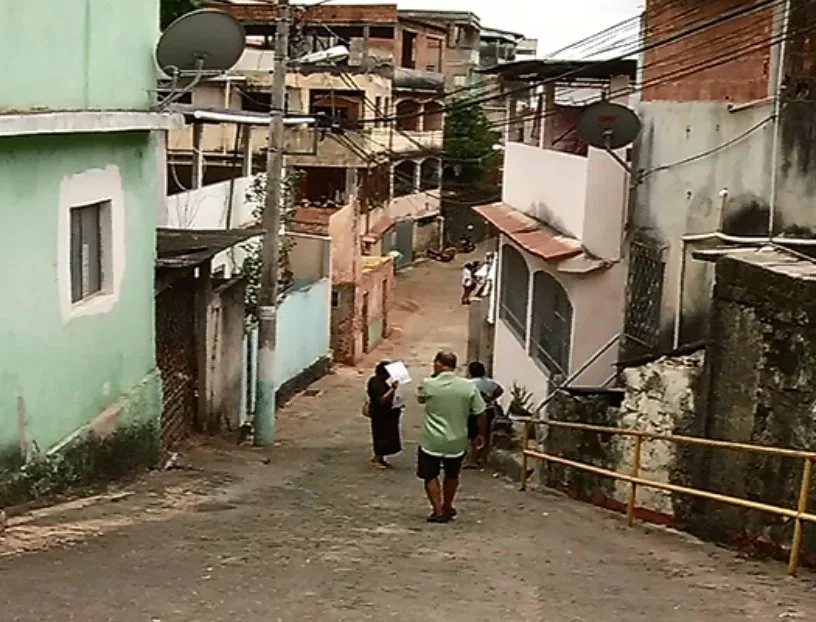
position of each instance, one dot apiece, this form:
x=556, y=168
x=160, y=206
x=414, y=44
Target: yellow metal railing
x=800, y=514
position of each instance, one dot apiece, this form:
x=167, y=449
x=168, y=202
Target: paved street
x=307, y=531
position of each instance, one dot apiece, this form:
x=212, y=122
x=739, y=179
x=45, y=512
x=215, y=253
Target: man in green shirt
x=449, y=400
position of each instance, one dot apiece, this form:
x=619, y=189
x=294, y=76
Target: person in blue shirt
x=480, y=438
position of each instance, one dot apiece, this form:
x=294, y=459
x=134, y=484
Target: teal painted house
x=81, y=175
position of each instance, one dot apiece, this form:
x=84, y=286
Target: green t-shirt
x=449, y=400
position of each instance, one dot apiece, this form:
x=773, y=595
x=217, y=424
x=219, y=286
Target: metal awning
x=543, y=69
x=540, y=240
x=188, y=248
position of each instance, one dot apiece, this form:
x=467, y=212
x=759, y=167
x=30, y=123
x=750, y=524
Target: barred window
x=551, y=338
x=514, y=295
x=644, y=293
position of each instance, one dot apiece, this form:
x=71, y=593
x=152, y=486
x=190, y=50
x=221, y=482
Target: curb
x=507, y=463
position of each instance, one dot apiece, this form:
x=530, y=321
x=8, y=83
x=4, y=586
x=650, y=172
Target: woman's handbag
x=366, y=409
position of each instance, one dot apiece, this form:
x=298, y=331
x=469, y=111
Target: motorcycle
x=466, y=243
x=445, y=256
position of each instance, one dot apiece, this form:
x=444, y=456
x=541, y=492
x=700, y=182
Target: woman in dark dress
x=385, y=416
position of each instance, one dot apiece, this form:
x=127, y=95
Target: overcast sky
x=555, y=23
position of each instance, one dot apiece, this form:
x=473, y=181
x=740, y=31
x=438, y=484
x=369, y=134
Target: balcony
x=406, y=79
x=332, y=150
x=583, y=197
x=349, y=148
x=405, y=141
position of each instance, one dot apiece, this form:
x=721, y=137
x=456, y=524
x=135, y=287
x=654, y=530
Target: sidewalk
x=305, y=530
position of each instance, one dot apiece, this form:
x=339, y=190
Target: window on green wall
x=87, y=274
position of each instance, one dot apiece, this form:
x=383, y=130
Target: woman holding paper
x=385, y=410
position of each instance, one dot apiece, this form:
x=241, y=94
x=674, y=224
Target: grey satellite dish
x=608, y=126
x=205, y=41
x=202, y=43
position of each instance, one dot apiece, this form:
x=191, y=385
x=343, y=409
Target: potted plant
x=521, y=401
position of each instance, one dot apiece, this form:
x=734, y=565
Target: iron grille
x=644, y=292
x=515, y=292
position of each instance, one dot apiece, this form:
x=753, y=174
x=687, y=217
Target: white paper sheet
x=399, y=372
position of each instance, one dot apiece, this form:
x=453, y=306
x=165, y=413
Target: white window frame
x=102, y=214
x=91, y=187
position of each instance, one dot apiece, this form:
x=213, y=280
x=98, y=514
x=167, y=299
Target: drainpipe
x=780, y=76
x=678, y=299
x=224, y=131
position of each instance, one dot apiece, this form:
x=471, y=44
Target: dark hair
x=446, y=359
x=477, y=369
x=381, y=371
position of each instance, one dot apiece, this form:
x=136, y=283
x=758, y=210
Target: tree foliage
x=173, y=9
x=253, y=261
x=469, y=141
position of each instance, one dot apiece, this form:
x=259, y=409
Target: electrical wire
x=708, y=152
x=723, y=58
x=730, y=54
x=665, y=10
x=711, y=62
x=674, y=38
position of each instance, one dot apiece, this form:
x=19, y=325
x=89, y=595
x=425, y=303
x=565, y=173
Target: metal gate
x=176, y=356
x=404, y=242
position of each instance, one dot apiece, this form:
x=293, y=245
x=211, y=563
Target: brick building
x=714, y=155
x=462, y=30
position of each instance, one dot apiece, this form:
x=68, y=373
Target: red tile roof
x=531, y=235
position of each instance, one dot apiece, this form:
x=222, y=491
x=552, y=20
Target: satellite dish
x=608, y=126
x=207, y=41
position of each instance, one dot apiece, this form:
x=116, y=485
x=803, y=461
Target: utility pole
x=270, y=270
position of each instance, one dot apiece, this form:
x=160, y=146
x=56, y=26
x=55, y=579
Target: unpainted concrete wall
x=760, y=388
x=226, y=355
x=685, y=198
x=709, y=130
x=756, y=384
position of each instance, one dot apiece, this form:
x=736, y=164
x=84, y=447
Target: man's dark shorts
x=473, y=427
x=473, y=424
x=429, y=467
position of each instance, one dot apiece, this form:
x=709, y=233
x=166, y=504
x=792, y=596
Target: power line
x=593, y=37
x=723, y=58
x=709, y=63
x=726, y=56
x=706, y=25
x=708, y=152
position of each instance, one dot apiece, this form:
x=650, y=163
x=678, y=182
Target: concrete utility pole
x=270, y=270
